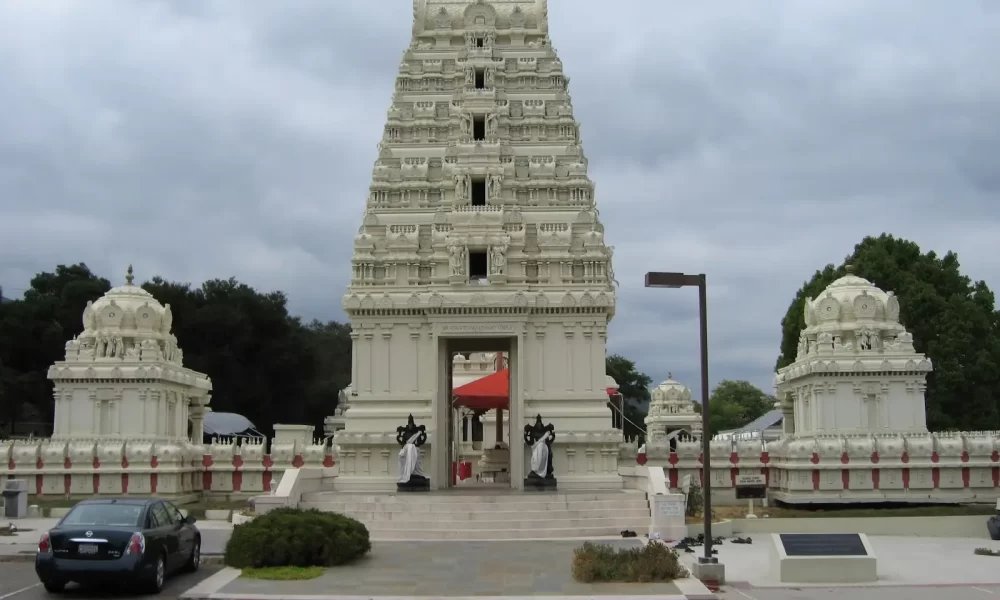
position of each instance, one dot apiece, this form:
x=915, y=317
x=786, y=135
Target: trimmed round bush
x=289, y=537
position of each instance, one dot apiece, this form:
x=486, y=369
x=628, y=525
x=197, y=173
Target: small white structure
x=856, y=370
x=670, y=409
x=859, y=566
x=123, y=376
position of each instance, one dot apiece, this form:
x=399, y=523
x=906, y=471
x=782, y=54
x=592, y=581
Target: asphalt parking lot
x=19, y=582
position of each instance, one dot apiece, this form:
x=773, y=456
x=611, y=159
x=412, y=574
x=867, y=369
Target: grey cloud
x=755, y=142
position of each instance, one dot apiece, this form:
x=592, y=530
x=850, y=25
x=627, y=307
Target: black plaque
x=823, y=544
x=751, y=492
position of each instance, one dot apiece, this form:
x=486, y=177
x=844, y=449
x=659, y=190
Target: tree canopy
x=264, y=363
x=633, y=385
x=952, y=319
x=734, y=404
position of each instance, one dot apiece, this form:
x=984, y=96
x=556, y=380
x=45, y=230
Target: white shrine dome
x=671, y=391
x=852, y=300
x=129, y=310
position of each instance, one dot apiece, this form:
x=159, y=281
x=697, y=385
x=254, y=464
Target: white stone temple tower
x=856, y=371
x=480, y=234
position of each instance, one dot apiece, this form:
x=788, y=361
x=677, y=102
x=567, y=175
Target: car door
x=185, y=533
x=167, y=533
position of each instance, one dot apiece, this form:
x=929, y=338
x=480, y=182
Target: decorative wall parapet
x=86, y=467
x=953, y=466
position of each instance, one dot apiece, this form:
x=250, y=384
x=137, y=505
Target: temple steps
x=468, y=516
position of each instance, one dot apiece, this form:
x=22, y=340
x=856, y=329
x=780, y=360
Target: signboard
x=754, y=479
x=751, y=486
x=823, y=544
x=670, y=509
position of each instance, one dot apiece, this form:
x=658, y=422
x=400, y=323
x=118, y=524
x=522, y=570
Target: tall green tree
x=33, y=334
x=734, y=404
x=953, y=320
x=633, y=385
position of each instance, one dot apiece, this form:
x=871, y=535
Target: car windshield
x=111, y=515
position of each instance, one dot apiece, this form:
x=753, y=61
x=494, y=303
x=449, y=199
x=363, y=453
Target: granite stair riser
x=615, y=525
x=446, y=508
x=501, y=534
x=464, y=517
x=460, y=498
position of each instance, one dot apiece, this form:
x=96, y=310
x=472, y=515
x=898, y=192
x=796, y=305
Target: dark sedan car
x=132, y=541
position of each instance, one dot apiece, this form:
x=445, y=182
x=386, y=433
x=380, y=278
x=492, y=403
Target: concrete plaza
x=909, y=568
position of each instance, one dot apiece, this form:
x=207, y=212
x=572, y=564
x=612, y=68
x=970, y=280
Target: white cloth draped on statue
x=540, y=456
x=409, y=460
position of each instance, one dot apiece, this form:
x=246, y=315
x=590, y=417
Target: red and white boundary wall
x=120, y=467
x=942, y=467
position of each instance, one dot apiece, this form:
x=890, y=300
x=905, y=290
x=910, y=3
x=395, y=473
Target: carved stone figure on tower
x=498, y=259
x=492, y=124
x=457, y=258
x=490, y=78
x=494, y=184
x=470, y=76
x=461, y=189
x=466, y=124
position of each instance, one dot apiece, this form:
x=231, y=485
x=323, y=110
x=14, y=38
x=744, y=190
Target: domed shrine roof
x=128, y=308
x=129, y=324
x=671, y=391
x=854, y=302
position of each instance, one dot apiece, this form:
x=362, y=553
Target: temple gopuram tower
x=480, y=234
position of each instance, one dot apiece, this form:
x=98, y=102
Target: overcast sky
x=753, y=141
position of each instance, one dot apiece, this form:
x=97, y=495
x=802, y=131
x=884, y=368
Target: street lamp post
x=679, y=280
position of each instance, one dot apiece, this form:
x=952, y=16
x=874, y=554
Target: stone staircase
x=489, y=515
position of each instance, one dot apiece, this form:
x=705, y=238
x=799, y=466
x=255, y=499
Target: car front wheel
x=194, y=561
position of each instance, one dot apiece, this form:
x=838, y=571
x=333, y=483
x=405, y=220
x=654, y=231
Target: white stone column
x=516, y=417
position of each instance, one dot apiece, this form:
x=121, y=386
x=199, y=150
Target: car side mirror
x=190, y=519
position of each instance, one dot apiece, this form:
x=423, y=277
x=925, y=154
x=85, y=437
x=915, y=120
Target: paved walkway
x=909, y=568
x=449, y=570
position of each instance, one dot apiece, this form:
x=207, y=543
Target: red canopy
x=612, y=392
x=487, y=393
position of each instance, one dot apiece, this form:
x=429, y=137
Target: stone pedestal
x=667, y=517
x=713, y=574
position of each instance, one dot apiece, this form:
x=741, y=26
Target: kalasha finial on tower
x=128, y=276
x=670, y=375
x=849, y=268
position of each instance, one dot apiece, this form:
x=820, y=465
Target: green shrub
x=289, y=537
x=695, y=501
x=648, y=563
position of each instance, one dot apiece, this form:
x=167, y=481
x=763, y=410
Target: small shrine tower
x=856, y=370
x=670, y=409
x=123, y=376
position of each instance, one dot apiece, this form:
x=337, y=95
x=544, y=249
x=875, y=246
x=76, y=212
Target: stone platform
x=452, y=570
x=489, y=514
x=909, y=568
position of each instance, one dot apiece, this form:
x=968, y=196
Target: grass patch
x=650, y=563
x=985, y=552
x=283, y=573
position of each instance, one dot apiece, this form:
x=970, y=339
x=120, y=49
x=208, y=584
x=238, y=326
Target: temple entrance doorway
x=480, y=414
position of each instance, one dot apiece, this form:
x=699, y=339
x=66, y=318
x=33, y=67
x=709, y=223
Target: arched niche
x=480, y=15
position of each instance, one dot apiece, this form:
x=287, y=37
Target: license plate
x=86, y=549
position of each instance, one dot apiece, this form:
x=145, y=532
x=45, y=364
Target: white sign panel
x=748, y=480
x=671, y=509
